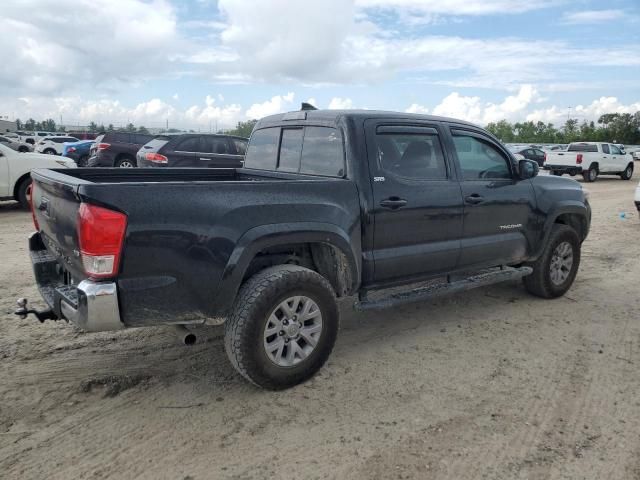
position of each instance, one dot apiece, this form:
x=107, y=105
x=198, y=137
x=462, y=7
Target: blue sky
x=199, y=63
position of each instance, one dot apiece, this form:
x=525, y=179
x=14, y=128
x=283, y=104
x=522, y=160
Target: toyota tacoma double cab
x=329, y=204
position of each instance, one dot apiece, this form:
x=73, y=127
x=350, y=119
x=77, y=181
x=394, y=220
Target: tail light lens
x=156, y=158
x=579, y=159
x=30, y=192
x=71, y=150
x=103, y=146
x=100, y=234
x=545, y=157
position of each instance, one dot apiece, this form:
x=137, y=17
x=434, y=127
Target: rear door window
x=290, y=149
x=191, y=144
x=216, y=145
x=262, y=152
x=322, y=152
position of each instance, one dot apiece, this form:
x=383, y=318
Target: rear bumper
x=570, y=169
x=92, y=306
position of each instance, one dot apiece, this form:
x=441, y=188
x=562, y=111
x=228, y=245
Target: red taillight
x=545, y=157
x=103, y=146
x=71, y=150
x=100, y=234
x=30, y=190
x=579, y=159
x=156, y=158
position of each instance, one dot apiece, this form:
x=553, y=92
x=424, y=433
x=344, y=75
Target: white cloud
x=277, y=104
x=592, y=16
x=588, y=112
x=457, y=106
x=459, y=7
x=58, y=46
x=338, y=103
x=416, y=108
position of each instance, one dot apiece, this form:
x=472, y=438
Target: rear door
x=217, y=152
x=183, y=152
x=417, y=201
x=498, y=207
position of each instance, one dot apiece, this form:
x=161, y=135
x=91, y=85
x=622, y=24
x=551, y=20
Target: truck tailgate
x=561, y=158
x=55, y=207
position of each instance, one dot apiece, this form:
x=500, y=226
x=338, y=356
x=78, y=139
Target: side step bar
x=438, y=290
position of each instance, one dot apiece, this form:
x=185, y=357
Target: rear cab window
x=311, y=150
x=583, y=147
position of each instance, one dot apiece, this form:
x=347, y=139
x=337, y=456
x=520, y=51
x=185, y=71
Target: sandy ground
x=490, y=384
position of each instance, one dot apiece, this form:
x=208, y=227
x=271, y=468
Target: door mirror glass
x=528, y=169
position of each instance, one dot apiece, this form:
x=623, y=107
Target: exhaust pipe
x=186, y=336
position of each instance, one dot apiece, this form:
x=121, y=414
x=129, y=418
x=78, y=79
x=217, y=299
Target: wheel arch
x=16, y=187
x=322, y=247
x=572, y=214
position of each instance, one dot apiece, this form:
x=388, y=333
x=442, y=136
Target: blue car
x=78, y=151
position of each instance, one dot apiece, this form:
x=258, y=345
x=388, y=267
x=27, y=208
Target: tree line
x=611, y=127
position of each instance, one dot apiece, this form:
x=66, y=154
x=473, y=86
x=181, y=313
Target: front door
x=417, y=202
x=499, y=207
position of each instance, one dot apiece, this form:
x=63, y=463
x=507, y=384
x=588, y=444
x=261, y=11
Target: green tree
x=503, y=130
x=19, y=124
x=130, y=128
x=142, y=129
x=243, y=129
x=93, y=127
x=110, y=128
x=49, y=125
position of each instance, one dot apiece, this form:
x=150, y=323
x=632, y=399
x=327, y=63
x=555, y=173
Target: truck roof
x=333, y=116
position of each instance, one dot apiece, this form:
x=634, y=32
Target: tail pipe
x=186, y=336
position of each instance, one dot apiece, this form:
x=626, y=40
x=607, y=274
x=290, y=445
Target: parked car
x=531, y=153
x=53, y=145
x=15, y=167
x=590, y=159
x=78, y=151
x=193, y=150
x=637, y=198
x=117, y=149
x=11, y=136
x=16, y=145
x=636, y=155
x=271, y=246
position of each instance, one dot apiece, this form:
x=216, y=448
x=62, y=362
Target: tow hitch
x=41, y=315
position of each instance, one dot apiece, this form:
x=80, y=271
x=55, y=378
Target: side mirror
x=528, y=169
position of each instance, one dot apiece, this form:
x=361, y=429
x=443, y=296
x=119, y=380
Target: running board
x=438, y=290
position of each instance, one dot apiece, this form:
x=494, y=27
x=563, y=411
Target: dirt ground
x=490, y=384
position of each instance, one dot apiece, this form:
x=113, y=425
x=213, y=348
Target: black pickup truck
x=329, y=204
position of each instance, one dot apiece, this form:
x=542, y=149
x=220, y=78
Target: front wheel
x=24, y=193
x=628, y=173
x=283, y=326
x=50, y=151
x=556, y=269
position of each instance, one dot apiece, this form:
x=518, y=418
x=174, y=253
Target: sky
x=205, y=64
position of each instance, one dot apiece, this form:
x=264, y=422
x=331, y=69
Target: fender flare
x=265, y=236
x=567, y=207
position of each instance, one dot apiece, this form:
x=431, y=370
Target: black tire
x=50, y=151
x=125, y=162
x=590, y=175
x=23, y=149
x=23, y=193
x=539, y=283
x=555, y=173
x=245, y=328
x=628, y=172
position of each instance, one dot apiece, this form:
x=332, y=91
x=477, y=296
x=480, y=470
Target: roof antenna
x=307, y=106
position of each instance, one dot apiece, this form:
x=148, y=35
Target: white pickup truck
x=590, y=159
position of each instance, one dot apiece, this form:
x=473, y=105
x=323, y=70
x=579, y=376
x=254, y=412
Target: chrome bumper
x=96, y=309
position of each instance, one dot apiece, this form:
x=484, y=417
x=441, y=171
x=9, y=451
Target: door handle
x=474, y=199
x=393, y=203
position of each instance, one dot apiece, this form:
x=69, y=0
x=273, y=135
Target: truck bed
x=184, y=227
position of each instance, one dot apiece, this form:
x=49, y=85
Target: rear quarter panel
x=180, y=237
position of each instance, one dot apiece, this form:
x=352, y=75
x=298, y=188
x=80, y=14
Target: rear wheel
x=82, y=161
x=556, y=269
x=23, y=149
x=125, y=162
x=24, y=193
x=50, y=151
x=590, y=175
x=283, y=326
x=628, y=172
x=557, y=174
